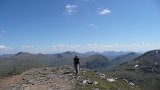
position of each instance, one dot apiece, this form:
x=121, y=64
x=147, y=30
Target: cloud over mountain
x=3, y=47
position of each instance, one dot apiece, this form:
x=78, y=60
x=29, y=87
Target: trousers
x=76, y=67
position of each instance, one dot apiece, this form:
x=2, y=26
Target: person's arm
x=79, y=61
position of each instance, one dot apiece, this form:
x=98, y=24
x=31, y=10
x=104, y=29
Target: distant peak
x=153, y=52
x=98, y=56
x=70, y=53
x=21, y=53
x=132, y=53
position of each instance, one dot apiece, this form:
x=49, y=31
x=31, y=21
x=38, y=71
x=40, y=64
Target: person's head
x=76, y=56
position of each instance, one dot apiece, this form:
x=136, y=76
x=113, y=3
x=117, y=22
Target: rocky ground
x=63, y=78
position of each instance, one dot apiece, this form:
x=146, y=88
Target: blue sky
x=50, y=26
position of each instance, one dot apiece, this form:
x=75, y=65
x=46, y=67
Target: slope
x=144, y=71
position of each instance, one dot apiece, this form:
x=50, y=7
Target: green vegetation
x=103, y=84
x=143, y=71
x=14, y=72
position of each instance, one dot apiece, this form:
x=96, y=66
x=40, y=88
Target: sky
x=51, y=26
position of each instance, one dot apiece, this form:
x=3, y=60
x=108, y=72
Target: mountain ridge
x=143, y=70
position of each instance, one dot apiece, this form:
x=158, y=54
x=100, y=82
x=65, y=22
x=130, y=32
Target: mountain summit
x=63, y=78
x=97, y=61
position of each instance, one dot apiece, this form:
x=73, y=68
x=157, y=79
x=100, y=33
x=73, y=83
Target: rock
x=95, y=82
x=45, y=69
x=30, y=82
x=66, y=79
x=110, y=79
x=103, y=76
x=24, y=86
x=23, y=79
x=125, y=80
x=67, y=72
x=13, y=88
x=57, y=86
x=84, y=81
x=90, y=81
x=51, y=81
x=136, y=66
x=131, y=84
x=84, y=71
x=96, y=89
x=80, y=78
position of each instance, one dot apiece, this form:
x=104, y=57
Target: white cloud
x=93, y=26
x=103, y=11
x=27, y=46
x=6, y=50
x=70, y=9
x=79, y=48
x=3, y=47
x=30, y=49
x=140, y=46
x=104, y=47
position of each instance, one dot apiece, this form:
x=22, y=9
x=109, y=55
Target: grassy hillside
x=144, y=71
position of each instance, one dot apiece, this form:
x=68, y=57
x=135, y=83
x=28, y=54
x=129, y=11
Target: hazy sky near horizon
x=50, y=26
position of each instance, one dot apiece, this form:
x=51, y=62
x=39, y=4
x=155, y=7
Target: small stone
x=57, y=86
x=103, y=76
x=13, y=88
x=45, y=69
x=131, y=84
x=136, y=66
x=80, y=78
x=110, y=79
x=84, y=81
x=125, y=80
x=95, y=82
x=66, y=79
x=51, y=81
x=96, y=89
x=30, y=82
x=90, y=82
x=84, y=71
x=51, y=86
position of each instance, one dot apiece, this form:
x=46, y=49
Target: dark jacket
x=76, y=61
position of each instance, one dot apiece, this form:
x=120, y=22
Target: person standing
x=76, y=62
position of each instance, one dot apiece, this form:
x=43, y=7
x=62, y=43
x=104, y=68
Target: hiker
x=76, y=64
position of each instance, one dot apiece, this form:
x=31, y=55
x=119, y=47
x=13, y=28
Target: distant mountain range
x=125, y=58
x=23, y=60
